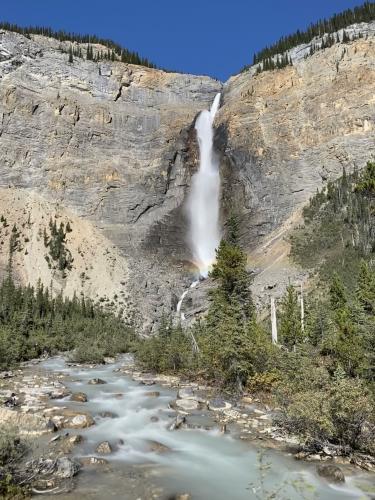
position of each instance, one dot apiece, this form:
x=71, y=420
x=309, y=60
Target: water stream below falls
x=203, y=463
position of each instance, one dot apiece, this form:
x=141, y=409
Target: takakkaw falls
x=203, y=200
x=187, y=269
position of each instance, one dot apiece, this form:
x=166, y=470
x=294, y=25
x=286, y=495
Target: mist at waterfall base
x=203, y=200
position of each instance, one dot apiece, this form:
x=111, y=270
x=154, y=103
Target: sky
x=210, y=37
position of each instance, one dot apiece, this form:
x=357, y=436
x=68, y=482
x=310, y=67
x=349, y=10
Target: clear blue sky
x=214, y=37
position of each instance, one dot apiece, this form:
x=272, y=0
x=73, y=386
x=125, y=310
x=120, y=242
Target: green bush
x=12, y=451
x=336, y=410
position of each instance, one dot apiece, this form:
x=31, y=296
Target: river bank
x=157, y=437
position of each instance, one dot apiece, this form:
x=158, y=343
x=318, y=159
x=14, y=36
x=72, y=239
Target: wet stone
x=187, y=404
x=93, y=461
x=186, y=393
x=152, y=394
x=331, y=472
x=219, y=405
x=157, y=447
x=107, y=414
x=104, y=448
x=179, y=421
x=97, y=381
x=80, y=397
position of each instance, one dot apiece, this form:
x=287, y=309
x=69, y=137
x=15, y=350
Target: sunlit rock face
x=112, y=147
x=113, y=143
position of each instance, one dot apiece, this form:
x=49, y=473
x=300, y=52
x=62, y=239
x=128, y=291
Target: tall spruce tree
x=290, y=329
x=230, y=327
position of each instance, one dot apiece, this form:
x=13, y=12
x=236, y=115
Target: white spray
x=203, y=201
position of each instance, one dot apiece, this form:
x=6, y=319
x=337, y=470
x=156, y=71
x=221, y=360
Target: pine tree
x=365, y=292
x=290, y=321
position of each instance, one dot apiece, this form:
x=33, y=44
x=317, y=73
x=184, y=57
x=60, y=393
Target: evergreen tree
x=290, y=319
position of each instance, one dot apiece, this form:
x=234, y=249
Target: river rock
x=104, y=448
x=97, y=381
x=70, y=419
x=66, y=468
x=93, y=461
x=80, y=421
x=27, y=424
x=179, y=421
x=219, y=404
x=331, y=472
x=107, y=414
x=187, y=404
x=70, y=442
x=157, y=447
x=147, y=382
x=152, y=394
x=109, y=360
x=48, y=469
x=246, y=400
x=59, y=391
x=80, y=397
x=186, y=393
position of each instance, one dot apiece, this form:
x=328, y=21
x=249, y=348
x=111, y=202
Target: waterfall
x=178, y=309
x=203, y=200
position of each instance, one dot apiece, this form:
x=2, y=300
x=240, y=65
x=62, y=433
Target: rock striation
x=111, y=148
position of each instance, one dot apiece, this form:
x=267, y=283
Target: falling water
x=203, y=201
x=178, y=309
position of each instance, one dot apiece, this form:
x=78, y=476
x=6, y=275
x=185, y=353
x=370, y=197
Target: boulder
x=66, y=468
x=331, y=472
x=187, y=404
x=64, y=418
x=52, y=471
x=80, y=397
x=80, y=421
x=97, y=381
x=104, y=448
x=26, y=423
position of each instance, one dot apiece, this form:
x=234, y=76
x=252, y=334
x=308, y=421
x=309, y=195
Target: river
x=150, y=461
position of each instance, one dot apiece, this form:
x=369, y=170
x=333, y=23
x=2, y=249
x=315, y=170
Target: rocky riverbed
x=111, y=428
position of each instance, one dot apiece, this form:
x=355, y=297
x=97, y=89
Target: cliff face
x=111, y=148
x=283, y=134
x=109, y=143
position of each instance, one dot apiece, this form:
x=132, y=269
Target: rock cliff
x=111, y=148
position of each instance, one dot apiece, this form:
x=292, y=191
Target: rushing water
x=203, y=201
x=203, y=463
x=179, y=305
